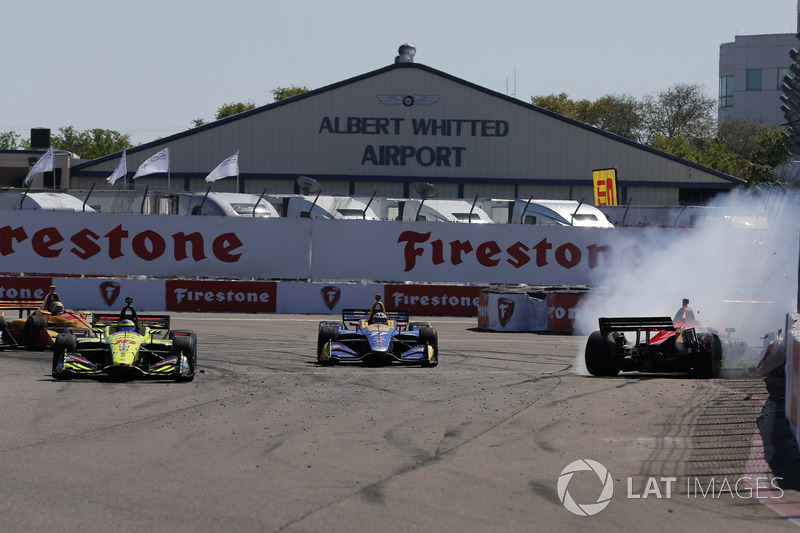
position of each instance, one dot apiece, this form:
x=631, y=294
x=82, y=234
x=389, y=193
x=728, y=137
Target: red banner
x=221, y=296
x=433, y=300
x=24, y=288
x=561, y=311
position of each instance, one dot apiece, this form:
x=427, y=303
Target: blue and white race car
x=377, y=336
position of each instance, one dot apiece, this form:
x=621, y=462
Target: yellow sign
x=605, y=186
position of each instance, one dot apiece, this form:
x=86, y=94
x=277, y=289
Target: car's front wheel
x=430, y=337
x=326, y=334
x=184, y=348
x=65, y=343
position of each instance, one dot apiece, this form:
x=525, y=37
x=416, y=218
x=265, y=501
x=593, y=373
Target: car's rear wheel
x=34, y=326
x=65, y=342
x=5, y=333
x=599, y=355
x=326, y=334
x=708, y=363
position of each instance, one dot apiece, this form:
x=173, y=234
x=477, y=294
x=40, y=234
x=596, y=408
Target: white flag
x=120, y=171
x=44, y=164
x=229, y=167
x=155, y=163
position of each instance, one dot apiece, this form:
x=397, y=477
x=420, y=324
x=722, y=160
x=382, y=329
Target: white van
x=43, y=201
x=558, y=213
x=330, y=207
x=224, y=204
x=455, y=210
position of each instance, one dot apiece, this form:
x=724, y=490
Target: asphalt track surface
x=264, y=439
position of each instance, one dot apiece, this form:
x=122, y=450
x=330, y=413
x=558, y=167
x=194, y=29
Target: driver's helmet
x=127, y=325
x=56, y=308
x=379, y=318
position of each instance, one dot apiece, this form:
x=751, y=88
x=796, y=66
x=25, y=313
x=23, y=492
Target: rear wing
x=652, y=323
x=151, y=321
x=21, y=305
x=352, y=315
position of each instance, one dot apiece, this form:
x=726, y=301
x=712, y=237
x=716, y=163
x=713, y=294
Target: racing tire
x=709, y=362
x=65, y=342
x=5, y=333
x=428, y=335
x=34, y=326
x=326, y=334
x=185, y=346
x=599, y=356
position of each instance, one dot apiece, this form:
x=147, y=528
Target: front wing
x=75, y=364
x=356, y=348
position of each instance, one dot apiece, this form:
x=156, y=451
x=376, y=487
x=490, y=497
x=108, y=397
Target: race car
x=377, y=337
x=658, y=344
x=39, y=329
x=126, y=347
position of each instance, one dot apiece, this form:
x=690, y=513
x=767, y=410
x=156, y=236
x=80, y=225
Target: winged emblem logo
x=407, y=99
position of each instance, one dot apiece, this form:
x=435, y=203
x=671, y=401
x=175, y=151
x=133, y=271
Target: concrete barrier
x=792, y=399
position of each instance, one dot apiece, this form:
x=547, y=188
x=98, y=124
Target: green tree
x=682, y=110
x=92, y=143
x=770, y=150
x=227, y=110
x=620, y=115
x=9, y=140
x=563, y=105
x=281, y=93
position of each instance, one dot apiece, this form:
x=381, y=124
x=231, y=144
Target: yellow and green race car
x=125, y=347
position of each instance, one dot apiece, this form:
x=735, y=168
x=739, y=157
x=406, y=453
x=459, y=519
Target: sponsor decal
x=419, y=247
x=24, y=288
x=109, y=290
x=148, y=245
x=434, y=300
x=505, y=310
x=221, y=296
x=330, y=295
x=562, y=310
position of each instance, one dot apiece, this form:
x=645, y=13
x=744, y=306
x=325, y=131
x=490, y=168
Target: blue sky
x=149, y=68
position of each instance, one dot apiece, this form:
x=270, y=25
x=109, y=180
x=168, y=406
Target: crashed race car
x=377, y=336
x=658, y=344
x=126, y=347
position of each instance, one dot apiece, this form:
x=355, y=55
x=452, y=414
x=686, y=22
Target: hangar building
x=404, y=123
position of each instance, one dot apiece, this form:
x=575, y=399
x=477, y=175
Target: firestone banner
x=154, y=245
x=99, y=244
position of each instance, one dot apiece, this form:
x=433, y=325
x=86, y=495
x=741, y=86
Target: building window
x=754, y=79
x=726, y=91
x=782, y=73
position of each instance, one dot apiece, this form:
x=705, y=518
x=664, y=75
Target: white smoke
x=738, y=268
